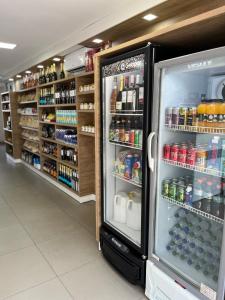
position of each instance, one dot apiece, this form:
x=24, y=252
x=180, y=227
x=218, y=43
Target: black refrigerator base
x=131, y=266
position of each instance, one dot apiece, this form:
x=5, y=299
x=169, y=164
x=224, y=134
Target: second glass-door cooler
x=188, y=182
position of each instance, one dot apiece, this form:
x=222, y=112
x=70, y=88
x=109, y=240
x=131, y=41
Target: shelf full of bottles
x=7, y=122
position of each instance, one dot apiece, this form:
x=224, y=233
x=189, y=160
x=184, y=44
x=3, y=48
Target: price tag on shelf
x=208, y=292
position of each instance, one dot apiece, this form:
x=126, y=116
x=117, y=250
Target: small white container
x=120, y=207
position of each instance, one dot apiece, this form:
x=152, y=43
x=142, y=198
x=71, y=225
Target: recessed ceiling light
x=11, y=79
x=56, y=59
x=7, y=45
x=40, y=67
x=97, y=41
x=28, y=72
x=18, y=76
x=150, y=17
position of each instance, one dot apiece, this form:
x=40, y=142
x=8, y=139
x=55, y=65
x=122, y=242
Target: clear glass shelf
x=194, y=168
x=124, y=145
x=196, y=129
x=194, y=210
x=126, y=180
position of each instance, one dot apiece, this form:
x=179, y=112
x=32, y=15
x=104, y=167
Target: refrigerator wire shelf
x=194, y=210
x=196, y=129
x=126, y=180
x=194, y=168
x=124, y=145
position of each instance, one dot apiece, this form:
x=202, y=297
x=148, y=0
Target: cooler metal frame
x=153, y=154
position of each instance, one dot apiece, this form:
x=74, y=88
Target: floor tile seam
x=33, y=286
x=17, y=250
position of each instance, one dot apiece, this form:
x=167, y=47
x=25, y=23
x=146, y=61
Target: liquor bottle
x=119, y=95
x=47, y=75
x=112, y=129
x=114, y=95
x=62, y=94
x=62, y=73
x=43, y=76
x=72, y=92
x=139, y=92
x=122, y=131
x=54, y=73
x=40, y=77
x=127, y=131
x=67, y=95
x=131, y=95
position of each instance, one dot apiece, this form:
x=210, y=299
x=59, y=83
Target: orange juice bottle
x=201, y=113
x=222, y=114
x=211, y=113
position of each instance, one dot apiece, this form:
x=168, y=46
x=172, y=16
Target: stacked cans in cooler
x=181, y=115
x=195, y=155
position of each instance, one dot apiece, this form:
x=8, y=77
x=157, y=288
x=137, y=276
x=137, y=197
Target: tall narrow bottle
x=119, y=95
x=140, y=93
x=114, y=95
x=62, y=73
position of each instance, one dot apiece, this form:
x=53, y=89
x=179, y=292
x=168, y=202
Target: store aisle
x=47, y=244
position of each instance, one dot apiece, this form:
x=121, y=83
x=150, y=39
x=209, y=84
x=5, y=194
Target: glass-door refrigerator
x=126, y=104
x=187, y=240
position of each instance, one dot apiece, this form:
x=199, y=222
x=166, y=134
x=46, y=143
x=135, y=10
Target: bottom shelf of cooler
x=189, y=272
x=131, y=234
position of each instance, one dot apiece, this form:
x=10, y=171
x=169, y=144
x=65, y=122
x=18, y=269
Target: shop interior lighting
x=150, y=17
x=7, y=45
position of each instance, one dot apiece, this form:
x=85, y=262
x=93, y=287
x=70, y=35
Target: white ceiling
x=44, y=28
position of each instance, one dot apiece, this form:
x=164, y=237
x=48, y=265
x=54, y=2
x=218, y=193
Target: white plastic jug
x=120, y=207
x=134, y=214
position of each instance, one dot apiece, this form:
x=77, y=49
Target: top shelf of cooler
x=196, y=129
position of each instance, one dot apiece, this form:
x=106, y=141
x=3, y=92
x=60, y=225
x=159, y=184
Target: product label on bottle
x=204, y=118
x=130, y=96
x=72, y=93
x=208, y=292
x=118, y=105
x=141, y=93
x=124, y=96
x=210, y=118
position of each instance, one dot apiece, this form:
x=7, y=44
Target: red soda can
x=191, y=156
x=174, y=152
x=166, y=151
x=182, y=154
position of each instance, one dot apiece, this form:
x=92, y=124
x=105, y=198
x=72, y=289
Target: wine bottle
x=62, y=73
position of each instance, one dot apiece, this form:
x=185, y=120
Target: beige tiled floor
x=47, y=244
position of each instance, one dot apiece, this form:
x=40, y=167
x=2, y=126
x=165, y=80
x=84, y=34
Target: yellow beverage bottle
x=201, y=113
x=211, y=113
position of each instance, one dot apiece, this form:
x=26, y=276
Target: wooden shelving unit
x=9, y=110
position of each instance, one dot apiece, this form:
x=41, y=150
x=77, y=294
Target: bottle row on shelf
x=210, y=155
x=128, y=165
x=47, y=116
x=27, y=111
x=127, y=93
x=30, y=135
x=50, y=167
x=87, y=88
x=87, y=106
x=6, y=106
x=196, y=242
x=48, y=132
x=31, y=159
x=209, y=113
x=5, y=98
x=126, y=130
x=49, y=148
x=68, y=136
x=69, y=176
x=204, y=193
x=66, y=117
x=29, y=121
x=28, y=97
x=69, y=155
x=49, y=74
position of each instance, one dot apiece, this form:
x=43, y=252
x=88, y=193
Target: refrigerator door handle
x=151, y=160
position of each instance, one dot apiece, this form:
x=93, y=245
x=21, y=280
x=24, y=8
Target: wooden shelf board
x=66, y=125
x=30, y=140
x=56, y=82
x=48, y=140
x=64, y=162
x=28, y=89
x=66, y=145
x=29, y=115
x=84, y=74
x=9, y=143
x=49, y=156
x=86, y=110
x=57, y=105
x=27, y=102
x=86, y=93
x=48, y=123
x=87, y=133
x=29, y=128
x=6, y=129
x=26, y=149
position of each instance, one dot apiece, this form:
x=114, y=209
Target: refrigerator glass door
x=190, y=173
x=123, y=101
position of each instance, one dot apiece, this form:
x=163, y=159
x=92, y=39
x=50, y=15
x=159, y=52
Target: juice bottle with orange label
x=201, y=113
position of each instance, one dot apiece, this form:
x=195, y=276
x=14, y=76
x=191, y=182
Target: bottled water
x=181, y=213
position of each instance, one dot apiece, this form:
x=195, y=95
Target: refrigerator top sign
x=135, y=63
x=200, y=64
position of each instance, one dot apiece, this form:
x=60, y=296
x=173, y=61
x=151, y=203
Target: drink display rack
x=11, y=132
x=85, y=147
